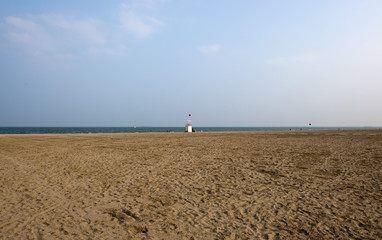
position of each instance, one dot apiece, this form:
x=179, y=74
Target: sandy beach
x=226, y=185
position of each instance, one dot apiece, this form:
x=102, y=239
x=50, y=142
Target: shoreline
x=304, y=131
x=87, y=130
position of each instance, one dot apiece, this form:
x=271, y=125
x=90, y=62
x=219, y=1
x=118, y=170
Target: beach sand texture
x=227, y=185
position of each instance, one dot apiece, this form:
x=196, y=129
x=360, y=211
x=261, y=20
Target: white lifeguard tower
x=188, y=126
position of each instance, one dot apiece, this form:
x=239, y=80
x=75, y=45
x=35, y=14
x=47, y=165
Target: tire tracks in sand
x=48, y=192
x=20, y=169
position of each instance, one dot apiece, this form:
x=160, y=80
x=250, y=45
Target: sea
x=63, y=130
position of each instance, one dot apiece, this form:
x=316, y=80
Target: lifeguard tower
x=188, y=126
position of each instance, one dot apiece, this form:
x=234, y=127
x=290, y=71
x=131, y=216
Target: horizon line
x=148, y=126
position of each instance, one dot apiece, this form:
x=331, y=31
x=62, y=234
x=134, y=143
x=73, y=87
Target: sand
x=228, y=185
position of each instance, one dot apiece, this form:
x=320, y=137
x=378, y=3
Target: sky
x=228, y=63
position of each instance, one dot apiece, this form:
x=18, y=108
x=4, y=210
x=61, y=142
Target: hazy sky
x=228, y=63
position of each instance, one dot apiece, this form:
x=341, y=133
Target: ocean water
x=47, y=130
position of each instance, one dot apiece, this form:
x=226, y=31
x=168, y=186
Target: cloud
x=86, y=30
x=136, y=19
x=293, y=59
x=208, y=49
x=51, y=35
x=143, y=4
x=30, y=34
x=57, y=35
x=139, y=25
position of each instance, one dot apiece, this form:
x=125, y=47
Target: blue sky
x=228, y=63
